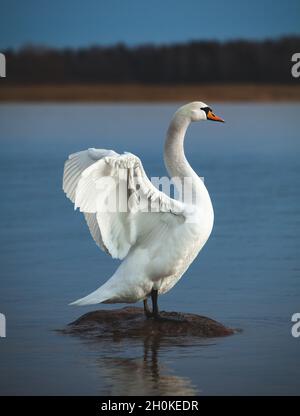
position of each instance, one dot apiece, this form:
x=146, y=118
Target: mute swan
x=156, y=244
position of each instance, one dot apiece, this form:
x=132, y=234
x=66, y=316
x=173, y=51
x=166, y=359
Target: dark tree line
x=237, y=61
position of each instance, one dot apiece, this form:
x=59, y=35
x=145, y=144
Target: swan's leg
x=154, y=297
x=147, y=311
x=156, y=315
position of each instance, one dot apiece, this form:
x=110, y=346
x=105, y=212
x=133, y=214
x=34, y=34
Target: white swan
x=157, y=237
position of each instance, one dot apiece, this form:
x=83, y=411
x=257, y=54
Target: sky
x=76, y=23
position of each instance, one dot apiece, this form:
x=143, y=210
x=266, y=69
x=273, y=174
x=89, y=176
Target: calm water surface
x=247, y=276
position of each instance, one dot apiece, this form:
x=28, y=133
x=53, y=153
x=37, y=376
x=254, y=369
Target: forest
x=195, y=62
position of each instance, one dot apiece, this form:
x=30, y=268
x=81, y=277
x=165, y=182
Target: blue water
x=247, y=276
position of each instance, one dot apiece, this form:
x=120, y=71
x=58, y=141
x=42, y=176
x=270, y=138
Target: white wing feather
x=95, y=178
x=74, y=166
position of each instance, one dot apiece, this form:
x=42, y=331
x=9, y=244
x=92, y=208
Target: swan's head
x=197, y=111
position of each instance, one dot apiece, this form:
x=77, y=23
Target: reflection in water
x=143, y=375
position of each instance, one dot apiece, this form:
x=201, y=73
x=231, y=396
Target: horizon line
x=45, y=46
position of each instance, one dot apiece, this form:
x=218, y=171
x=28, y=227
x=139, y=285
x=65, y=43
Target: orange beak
x=213, y=117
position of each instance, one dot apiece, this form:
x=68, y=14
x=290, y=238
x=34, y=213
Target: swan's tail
x=98, y=296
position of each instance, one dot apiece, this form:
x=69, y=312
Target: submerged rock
x=131, y=322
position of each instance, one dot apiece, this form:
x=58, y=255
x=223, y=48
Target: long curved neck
x=176, y=162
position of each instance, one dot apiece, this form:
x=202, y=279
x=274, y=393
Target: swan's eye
x=206, y=109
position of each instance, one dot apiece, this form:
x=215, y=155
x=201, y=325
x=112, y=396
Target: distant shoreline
x=150, y=93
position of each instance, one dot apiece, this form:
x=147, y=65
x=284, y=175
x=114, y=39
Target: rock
x=131, y=322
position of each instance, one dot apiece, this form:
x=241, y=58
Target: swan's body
x=156, y=247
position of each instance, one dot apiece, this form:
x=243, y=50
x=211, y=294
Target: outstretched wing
x=122, y=207
x=74, y=166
